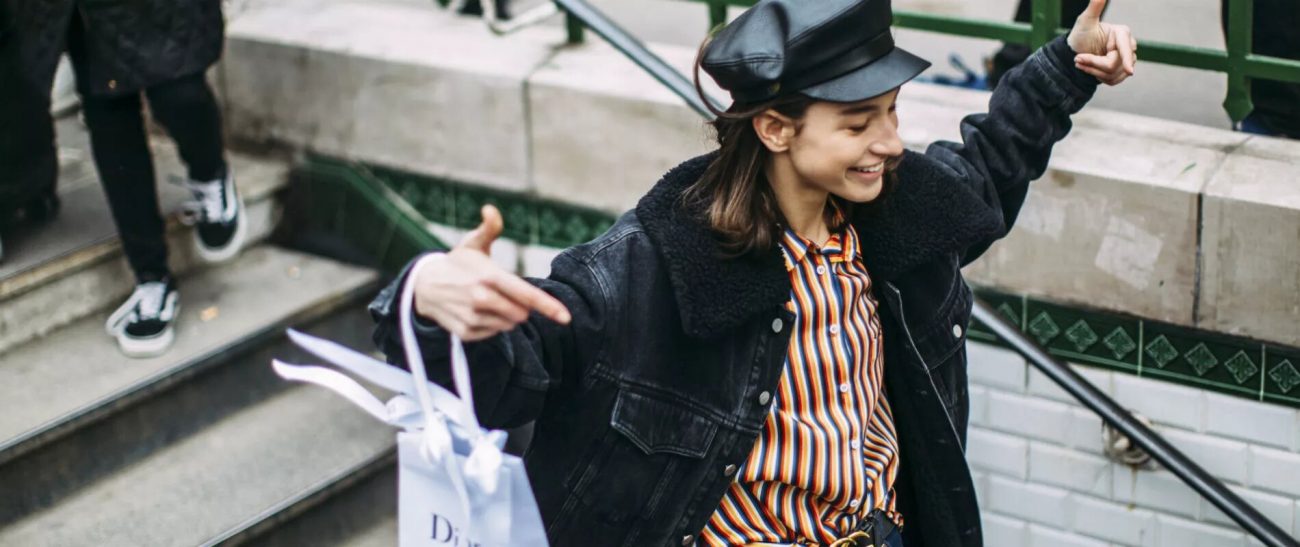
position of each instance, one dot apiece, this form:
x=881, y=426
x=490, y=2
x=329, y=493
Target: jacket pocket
x=649, y=445
x=657, y=426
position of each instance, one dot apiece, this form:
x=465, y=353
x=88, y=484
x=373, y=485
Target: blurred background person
x=120, y=51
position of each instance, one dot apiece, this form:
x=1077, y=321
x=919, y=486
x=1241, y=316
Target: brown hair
x=733, y=195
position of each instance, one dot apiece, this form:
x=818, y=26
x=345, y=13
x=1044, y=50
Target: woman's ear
x=774, y=129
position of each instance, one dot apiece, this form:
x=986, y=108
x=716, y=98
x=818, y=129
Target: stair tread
x=51, y=379
x=84, y=230
x=232, y=471
x=381, y=534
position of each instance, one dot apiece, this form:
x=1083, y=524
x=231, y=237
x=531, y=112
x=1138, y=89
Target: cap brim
x=880, y=76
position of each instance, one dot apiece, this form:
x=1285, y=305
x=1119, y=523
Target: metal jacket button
x=687, y=539
x=956, y=331
x=764, y=398
x=777, y=324
x=729, y=470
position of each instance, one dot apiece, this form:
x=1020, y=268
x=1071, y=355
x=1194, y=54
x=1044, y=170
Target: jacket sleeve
x=513, y=372
x=1004, y=149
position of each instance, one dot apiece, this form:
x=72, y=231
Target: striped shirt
x=827, y=454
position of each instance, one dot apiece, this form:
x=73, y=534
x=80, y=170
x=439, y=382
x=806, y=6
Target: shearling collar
x=931, y=213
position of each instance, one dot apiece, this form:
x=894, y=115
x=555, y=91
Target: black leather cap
x=833, y=50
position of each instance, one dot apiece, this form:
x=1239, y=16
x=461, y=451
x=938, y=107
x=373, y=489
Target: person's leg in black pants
x=1013, y=54
x=121, y=151
x=31, y=42
x=188, y=110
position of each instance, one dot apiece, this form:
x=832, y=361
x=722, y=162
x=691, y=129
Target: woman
x=770, y=348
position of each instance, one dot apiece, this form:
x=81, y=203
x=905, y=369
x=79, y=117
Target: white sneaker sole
x=213, y=255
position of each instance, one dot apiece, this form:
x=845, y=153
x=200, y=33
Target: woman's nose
x=888, y=143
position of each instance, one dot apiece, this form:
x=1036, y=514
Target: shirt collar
x=843, y=246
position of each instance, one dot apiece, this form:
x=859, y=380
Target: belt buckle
x=855, y=539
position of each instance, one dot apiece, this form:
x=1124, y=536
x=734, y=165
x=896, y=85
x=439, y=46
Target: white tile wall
x=1030, y=416
x=1111, y=521
x=1178, y=532
x=1002, y=531
x=1163, y=402
x=1031, y=502
x=1040, y=536
x=1159, y=490
x=1070, y=469
x=996, y=367
x=1279, y=509
x=1043, y=479
x=1275, y=470
x=1224, y=458
x=1042, y=386
x=1250, y=421
x=997, y=452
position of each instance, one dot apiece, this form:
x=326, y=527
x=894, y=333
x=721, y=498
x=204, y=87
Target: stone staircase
x=203, y=445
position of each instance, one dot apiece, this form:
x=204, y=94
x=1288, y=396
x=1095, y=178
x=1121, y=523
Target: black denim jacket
x=665, y=375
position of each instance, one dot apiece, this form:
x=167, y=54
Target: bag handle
x=415, y=359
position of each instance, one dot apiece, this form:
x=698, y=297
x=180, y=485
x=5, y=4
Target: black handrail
x=1184, y=468
x=1151, y=442
x=623, y=41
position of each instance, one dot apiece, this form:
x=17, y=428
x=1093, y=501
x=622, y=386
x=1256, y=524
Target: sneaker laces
x=146, y=302
x=209, y=203
x=151, y=302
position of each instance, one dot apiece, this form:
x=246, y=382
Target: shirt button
x=777, y=325
x=854, y=503
x=835, y=329
x=764, y=398
x=729, y=470
x=854, y=444
x=687, y=539
x=821, y=270
x=844, y=388
x=956, y=331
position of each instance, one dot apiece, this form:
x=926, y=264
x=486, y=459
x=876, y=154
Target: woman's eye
x=858, y=128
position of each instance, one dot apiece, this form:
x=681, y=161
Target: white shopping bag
x=456, y=488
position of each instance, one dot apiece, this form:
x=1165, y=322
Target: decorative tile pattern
x=1285, y=376
x=1161, y=351
x=1043, y=328
x=1081, y=335
x=1281, y=380
x=1119, y=343
x=1241, y=366
x=352, y=200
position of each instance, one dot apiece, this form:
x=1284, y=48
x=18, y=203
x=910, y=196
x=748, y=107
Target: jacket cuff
x=1059, y=59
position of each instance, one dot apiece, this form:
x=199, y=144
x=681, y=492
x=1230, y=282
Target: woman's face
x=842, y=148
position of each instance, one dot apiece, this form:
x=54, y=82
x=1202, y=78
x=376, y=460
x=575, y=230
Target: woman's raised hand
x=473, y=298
x=1104, y=50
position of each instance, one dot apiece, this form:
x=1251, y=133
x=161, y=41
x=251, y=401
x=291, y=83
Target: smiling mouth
x=870, y=168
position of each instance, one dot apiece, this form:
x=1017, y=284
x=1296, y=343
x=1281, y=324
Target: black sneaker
x=217, y=214
x=144, y=324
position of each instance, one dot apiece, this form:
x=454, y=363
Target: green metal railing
x=1237, y=62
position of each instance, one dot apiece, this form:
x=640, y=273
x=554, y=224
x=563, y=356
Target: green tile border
x=1151, y=349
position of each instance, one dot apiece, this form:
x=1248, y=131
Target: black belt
x=872, y=531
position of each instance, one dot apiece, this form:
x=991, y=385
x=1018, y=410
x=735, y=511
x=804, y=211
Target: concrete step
x=79, y=411
x=76, y=261
x=363, y=515
x=256, y=462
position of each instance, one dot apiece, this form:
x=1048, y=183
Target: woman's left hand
x=1106, y=51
